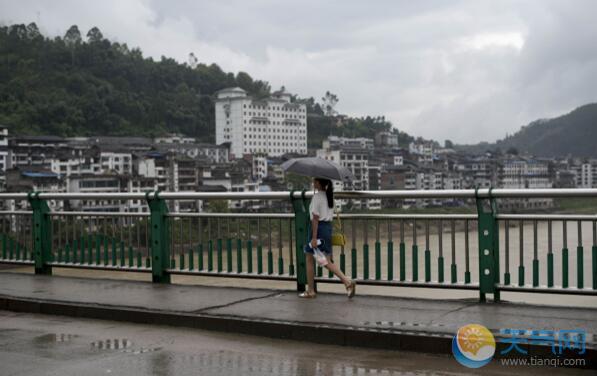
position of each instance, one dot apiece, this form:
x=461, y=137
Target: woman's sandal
x=351, y=289
x=308, y=295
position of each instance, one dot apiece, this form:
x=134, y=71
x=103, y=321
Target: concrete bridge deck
x=409, y=324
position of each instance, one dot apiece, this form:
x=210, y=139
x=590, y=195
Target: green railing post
x=565, y=268
x=159, y=236
x=259, y=258
x=131, y=261
x=390, y=260
x=42, y=235
x=415, y=262
x=4, y=238
x=402, y=261
x=113, y=251
x=579, y=267
x=239, y=255
x=191, y=259
x=122, y=254
x=377, y=260
x=550, y=270
x=200, y=256
x=301, y=221
x=106, y=250
x=365, y=261
x=210, y=255
x=427, y=265
x=353, y=260
x=488, y=233
x=89, y=249
x=229, y=255
x=220, y=250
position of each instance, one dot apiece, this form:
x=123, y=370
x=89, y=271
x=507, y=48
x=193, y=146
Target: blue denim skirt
x=324, y=233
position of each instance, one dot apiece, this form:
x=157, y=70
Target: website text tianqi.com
x=474, y=346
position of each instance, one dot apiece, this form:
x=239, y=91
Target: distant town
x=253, y=138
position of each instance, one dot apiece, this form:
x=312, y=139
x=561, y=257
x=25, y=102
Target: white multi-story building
x=274, y=126
x=386, y=139
x=117, y=161
x=333, y=142
x=586, y=174
x=259, y=166
x=174, y=139
x=522, y=173
x=215, y=153
x=424, y=179
x=423, y=151
x=357, y=161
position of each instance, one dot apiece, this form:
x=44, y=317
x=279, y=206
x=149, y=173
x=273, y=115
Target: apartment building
x=274, y=125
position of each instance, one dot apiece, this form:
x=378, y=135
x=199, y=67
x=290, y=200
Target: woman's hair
x=329, y=190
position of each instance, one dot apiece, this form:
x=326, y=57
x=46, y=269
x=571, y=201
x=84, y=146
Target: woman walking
x=321, y=213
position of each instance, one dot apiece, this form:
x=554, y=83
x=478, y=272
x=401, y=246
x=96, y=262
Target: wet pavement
x=34, y=344
x=422, y=325
x=421, y=315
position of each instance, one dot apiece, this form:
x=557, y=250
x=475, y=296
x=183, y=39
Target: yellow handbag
x=337, y=236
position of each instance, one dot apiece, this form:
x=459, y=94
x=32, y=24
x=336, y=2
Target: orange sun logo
x=472, y=338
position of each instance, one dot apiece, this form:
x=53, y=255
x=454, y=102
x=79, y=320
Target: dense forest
x=79, y=85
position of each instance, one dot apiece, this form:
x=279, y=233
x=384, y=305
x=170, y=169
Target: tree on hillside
x=329, y=102
x=244, y=81
x=33, y=31
x=72, y=39
x=94, y=35
x=72, y=36
x=193, y=61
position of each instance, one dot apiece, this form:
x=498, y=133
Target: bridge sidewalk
x=371, y=321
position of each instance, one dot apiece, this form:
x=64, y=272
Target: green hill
x=83, y=86
x=572, y=134
x=69, y=86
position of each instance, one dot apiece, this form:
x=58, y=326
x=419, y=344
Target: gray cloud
x=461, y=70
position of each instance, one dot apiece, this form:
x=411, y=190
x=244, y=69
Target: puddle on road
x=142, y=350
x=54, y=338
x=112, y=344
x=236, y=363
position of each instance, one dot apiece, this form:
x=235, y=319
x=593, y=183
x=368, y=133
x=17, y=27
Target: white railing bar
x=282, y=195
x=233, y=215
x=98, y=214
x=409, y=216
x=546, y=217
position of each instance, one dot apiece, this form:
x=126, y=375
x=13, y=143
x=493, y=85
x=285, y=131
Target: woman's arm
x=314, y=224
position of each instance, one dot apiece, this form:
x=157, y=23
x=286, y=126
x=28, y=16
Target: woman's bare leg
x=336, y=270
x=310, y=273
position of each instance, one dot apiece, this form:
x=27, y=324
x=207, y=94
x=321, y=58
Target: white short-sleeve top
x=319, y=206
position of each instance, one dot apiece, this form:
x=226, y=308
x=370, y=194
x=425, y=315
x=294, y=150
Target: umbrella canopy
x=318, y=168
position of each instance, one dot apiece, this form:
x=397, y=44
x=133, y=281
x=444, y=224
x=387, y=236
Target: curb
x=317, y=333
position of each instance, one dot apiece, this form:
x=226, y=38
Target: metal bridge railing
x=484, y=251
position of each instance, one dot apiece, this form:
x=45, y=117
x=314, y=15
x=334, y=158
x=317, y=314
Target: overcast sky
x=467, y=71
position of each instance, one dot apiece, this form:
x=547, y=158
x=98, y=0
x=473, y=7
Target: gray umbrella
x=318, y=168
